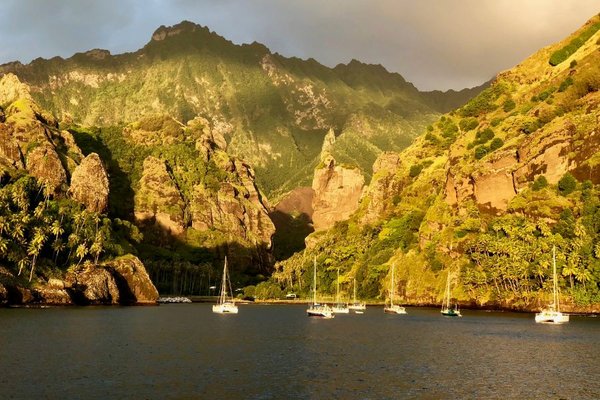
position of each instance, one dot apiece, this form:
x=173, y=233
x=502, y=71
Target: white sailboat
x=393, y=308
x=552, y=314
x=357, y=307
x=339, y=307
x=316, y=309
x=225, y=304
x=447, y=309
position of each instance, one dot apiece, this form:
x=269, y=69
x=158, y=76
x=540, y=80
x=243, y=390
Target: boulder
x=52, y=296
x=134, y=283
x=93, y=285
x=89, y=184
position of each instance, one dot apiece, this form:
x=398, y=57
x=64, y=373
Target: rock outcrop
x=337, y=191
x=383, y=186
x=120, y=281
x=89, y=184
x=44, y=163
x=133, y=281
x=93, y=285
x=158, y=200
x=497, y=179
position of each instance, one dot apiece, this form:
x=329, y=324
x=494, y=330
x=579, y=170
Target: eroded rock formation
x=337, y=191
x=89, y=184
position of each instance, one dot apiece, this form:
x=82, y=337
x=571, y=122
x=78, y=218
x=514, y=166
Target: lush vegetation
x=42, y=236
x=565, y=52
x=496, y=256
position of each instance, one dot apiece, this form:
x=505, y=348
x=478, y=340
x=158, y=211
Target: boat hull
x=357, y=307
x=340, y=310
x=225, y=308
x=451, y=313
x=395, y=310
x=317, y=311
x=554, y=317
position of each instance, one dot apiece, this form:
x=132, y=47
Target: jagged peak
x=164, y=32
x=12, y=89
x=97, y=54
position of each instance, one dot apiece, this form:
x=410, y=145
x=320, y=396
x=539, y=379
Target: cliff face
x=193, y=189
x=500, y=177
x=337, y=191
x=158, y=199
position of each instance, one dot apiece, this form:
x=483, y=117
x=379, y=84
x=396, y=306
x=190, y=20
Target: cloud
x=436, y=44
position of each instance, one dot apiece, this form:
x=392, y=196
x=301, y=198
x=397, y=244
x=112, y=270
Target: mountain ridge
x=271, y=106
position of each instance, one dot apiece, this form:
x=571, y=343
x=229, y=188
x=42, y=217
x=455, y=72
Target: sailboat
x=357, y=307
x=339, y=307
x=552, y=314
x=316, y=309
x=225, y=304
x=447, y=309
x=393, y=308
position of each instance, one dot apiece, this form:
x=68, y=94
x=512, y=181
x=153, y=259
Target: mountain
x=272, y=111
x=484, y=195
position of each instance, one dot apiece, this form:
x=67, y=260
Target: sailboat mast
x=555, y=283
x=337, y=288
x=448, y=290
x=222, y=296
x=354, y=290
x=315, y=281
x=392, y=287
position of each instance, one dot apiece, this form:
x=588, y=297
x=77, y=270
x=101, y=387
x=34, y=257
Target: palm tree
x=35, y=247
x=81, y=252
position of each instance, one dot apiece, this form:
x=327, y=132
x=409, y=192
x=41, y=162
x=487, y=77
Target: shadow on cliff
x=177, y=267
x=120, y=195
x=290, y=232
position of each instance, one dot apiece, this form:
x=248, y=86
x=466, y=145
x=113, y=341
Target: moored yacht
x=316, y=309
x=393, y=308
x=225, y=305
x=552, y=314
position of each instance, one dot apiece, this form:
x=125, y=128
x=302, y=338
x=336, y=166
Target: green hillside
x=484, y=194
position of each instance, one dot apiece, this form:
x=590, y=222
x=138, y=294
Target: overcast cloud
x=436, y=44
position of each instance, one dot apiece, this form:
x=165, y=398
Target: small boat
x=447, y=309
x=357, y=307
x=315, y=309
x=225, y=305
x=552, y=314
x=339, y=307
x=393, y=308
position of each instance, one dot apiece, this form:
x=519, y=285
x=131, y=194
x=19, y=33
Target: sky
x=435, y=44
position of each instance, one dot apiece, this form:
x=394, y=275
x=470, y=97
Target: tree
x=567, y=184
x=539, y=183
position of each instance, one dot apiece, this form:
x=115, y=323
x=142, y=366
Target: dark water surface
x=184, y=351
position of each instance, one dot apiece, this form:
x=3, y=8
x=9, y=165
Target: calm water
x=184, y=351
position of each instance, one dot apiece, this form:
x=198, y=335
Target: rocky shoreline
x=122, y=281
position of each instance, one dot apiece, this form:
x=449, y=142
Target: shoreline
x=593, y=310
